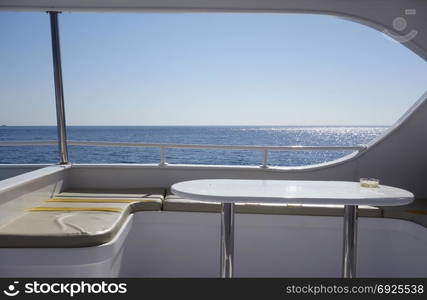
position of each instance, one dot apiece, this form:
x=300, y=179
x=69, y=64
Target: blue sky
x=205, y=69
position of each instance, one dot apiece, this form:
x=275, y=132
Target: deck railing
x=163, y=147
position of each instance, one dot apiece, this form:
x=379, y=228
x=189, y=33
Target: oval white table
x=349, y=194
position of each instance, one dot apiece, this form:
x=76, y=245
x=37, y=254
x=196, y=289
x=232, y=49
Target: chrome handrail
x=163, y=147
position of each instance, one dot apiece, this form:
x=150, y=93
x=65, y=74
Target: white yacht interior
x=121, y=220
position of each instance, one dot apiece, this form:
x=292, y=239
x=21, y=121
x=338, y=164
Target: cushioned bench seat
x=176, y=203
x=78, y=218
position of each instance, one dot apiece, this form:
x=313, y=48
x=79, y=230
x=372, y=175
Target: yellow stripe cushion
x=110, y=209
x=79, y=221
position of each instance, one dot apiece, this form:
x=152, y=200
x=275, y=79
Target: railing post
x=59, y=90
x=162, y=156
x=265, y=159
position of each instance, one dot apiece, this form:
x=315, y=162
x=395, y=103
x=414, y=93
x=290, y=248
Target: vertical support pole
x=59, y=90
x=162, y=156
x=265, y=159
x=350, y=242
x=227, y=240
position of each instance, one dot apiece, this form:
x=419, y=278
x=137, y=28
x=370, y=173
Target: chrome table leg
x=350, y=242
x=227, y=240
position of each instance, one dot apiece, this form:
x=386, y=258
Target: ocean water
x=221, y=135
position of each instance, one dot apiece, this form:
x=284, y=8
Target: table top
x=291, y=191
